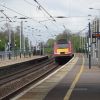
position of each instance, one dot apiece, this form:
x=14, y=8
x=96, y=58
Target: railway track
x=16, y=81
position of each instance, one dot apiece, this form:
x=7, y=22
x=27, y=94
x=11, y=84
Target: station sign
x=96, y=35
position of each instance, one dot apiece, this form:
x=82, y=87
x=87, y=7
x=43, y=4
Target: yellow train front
x=63, y=50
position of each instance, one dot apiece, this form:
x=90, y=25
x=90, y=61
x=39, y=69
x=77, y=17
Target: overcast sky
x=76, y=11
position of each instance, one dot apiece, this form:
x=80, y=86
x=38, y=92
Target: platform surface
x=74, y=81
x=5, y=62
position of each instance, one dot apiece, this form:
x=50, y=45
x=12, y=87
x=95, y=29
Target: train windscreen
x=62, y=41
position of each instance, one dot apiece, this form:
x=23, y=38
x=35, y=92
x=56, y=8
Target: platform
x=6, y=62
x=73, y=81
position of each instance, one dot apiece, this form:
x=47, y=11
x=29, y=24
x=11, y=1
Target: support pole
x=89, y=47
x=99, y=44
x=21, y=32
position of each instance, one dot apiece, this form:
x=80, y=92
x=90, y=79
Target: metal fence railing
x=18, y=54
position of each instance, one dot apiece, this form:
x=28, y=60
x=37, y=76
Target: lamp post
x=21, y=32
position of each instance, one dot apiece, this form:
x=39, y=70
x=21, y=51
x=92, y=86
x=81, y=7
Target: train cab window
x=62, y=41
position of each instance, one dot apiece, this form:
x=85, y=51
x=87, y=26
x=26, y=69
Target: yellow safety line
x=68, y=94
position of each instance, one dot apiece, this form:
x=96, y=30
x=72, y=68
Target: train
x=63, y=50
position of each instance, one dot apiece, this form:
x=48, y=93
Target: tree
x=65, y=35
x=4, y=37
x=49, y=46
x=3, y=40
x=50, y=42
x=17, y=30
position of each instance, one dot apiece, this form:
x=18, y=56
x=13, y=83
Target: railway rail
x=15, y=81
